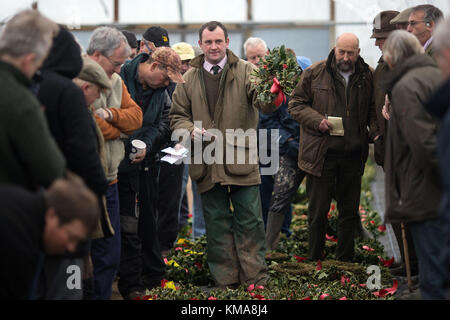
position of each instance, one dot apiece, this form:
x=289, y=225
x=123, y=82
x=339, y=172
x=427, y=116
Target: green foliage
x=292, y=276
x=279, y=63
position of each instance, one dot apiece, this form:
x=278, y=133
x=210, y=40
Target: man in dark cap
x=159, y=36
x=170, y=183
x=147, y=78
x=381, y=30
x=132, y=41
x=382, y=27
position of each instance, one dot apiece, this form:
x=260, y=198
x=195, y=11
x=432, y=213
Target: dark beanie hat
x=131, y=38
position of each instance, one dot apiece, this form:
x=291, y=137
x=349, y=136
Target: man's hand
x=197, y=134
x=325, y=126
x=104, y=114
x=386, y=111
x=139, y=156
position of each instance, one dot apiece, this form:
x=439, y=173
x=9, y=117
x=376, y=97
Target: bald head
x=347, y=39
x=346, y=51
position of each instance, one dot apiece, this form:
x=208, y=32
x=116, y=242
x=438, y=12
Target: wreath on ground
x=276, y=75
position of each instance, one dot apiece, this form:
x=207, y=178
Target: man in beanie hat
x=156, y=35
x=147, y=78
x=132, y=41
x=382, y=27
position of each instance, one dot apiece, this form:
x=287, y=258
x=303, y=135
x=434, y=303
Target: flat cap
x=93, y=72
x=402, y=17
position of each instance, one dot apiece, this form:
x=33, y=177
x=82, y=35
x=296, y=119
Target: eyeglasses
x=147, y=46
x=114, y=63
x=413, y=23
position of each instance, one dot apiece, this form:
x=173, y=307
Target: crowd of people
x=79, y=197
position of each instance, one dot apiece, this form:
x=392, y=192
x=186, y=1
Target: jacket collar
x=394, y=75
x=360, y=65
x=16, y=73
x=197, y=62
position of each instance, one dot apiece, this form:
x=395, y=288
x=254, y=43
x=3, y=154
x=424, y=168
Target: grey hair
x=430, y=12
x=253, y=42
x=441, y=35
x=105, y=40
x=27, y=32
x=401, y=45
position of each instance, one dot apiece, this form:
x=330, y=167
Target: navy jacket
x=289, y=129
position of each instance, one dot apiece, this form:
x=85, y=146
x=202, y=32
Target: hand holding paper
x=337, y=128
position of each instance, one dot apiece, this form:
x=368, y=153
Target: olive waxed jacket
x=315, y=97
x=237, y=108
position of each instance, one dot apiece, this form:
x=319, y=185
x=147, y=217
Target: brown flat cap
x=94, y=73
x=381, y=24
x=402, y=17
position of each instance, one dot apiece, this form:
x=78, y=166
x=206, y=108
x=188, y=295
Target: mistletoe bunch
x=277, y=75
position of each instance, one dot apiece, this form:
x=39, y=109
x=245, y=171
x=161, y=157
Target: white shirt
x=427, y=44
x=207, y=66
x=346, y=76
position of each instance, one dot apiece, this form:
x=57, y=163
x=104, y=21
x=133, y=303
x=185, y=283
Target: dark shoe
x=134, y=295
x=151, y=282
x=401, y=271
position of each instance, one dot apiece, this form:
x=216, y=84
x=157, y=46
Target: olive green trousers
x=235, y=235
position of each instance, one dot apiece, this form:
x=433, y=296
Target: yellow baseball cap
x=184, y=50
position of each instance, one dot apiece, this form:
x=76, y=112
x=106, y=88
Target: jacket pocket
x=197, y=171
x=321, y=97
x=310, y=145
x=241, y=154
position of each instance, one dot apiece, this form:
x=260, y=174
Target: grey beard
x=345, y=66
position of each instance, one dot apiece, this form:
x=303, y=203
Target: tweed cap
x=403, y=16
x=381, y=24
x=93, y=72
x=184, y=50
x=169, y=58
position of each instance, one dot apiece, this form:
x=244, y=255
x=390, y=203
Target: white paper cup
x=137, y=148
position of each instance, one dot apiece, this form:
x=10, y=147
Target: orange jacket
x=126, y=119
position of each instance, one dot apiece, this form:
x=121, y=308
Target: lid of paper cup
x=138, y=144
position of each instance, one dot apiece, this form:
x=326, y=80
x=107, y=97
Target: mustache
x=344, y=65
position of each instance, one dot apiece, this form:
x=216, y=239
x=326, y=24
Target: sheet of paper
x=180, y=152
x=172, y=159
x=337, y=126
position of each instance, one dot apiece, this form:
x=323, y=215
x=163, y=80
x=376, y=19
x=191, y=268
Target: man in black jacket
x=147, y=78
x=37, y=226
x=74, y=131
